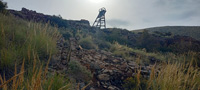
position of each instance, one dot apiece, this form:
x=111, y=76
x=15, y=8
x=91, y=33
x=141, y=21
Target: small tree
x=3, y=6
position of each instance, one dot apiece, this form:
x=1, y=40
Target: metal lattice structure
x=100, y=21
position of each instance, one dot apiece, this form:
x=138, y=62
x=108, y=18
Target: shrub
x=78, y=72
x=3, y=6
x=87, y=43
x=103, y=44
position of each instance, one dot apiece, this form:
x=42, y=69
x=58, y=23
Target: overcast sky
x=129, y=14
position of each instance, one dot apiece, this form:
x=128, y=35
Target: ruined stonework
x=108, y=71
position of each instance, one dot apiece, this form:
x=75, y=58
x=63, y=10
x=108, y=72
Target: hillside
x=54, y=20
x=192, y=31
x=44, y=52
x=93, y=38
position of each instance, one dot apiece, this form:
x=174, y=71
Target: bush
x=78, y=72
x=103, y=44
x=3, y=6
x=87, y=43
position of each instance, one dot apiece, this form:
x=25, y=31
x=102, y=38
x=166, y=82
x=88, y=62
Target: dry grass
x=19, y=39
x=142, y=57
x=24, y=47
x=176, y=76
x=38, y=80
x=167, y=76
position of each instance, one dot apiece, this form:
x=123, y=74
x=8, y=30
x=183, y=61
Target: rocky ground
x=108, y=71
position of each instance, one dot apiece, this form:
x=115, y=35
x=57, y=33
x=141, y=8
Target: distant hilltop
x=192, y=31
x=53, y=20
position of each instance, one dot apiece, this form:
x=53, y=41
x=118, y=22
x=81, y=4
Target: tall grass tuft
x=24, y=49
x=20, y=39
x=37, y=80
x=171, y=76
x=176, y=76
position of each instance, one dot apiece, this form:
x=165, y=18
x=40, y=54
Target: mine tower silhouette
x=100, y=21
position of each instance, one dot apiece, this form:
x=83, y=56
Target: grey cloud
x=178, y=9
x=177, y=4
x=129, y=14
x=117, y=22
x=185, y=15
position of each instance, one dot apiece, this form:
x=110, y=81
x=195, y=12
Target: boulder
x=103, y=77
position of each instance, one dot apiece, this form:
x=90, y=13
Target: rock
x=98, y=84
x=98, y=56
x=129, y=72
x=116, y=61
x=64, y=62
x=64, y=57
x=95, y=66
x=103, y=77
x=82, y=84
x=113, y=88
x=123, y=67
x=145, y=72
x=131, y=63
x=92, y=88
x=106, y=53
x=103, y=57
x=108, y=71
x=89, y=57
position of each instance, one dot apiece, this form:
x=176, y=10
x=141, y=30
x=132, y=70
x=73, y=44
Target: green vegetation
x=24, y=49
x=152, y=42
x=34, y=79
x=174, y=76
x=192, y=31
x=87, y=43
x=3, y=6
x=78, y=72
x=21, y=39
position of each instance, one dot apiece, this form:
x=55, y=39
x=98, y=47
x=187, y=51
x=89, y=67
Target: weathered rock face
x=59, y=62
x=103, y=77
x=109, y=71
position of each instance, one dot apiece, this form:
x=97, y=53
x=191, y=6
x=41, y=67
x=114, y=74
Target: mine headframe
x=100, y=21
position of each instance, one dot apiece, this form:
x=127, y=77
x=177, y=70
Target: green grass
x=36, y=78
x=29, y=46
x=21, y=39
x=175, y=76
x=141, y=56
x=192, y=31
x=88, y=43
x=171, y=76
x=78, y=72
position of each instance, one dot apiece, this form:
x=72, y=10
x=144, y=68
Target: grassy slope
x=160, y=83
x=20, y=39
x=23, y=46
x=192, y=31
